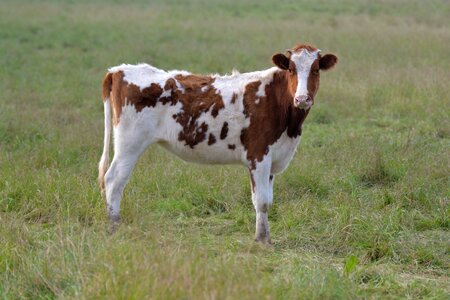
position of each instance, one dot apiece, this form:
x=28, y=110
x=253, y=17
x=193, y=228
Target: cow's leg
x=262, y=199
x=271, y=179
x=126, y=153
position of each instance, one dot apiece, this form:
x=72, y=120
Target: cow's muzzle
x=303, y=102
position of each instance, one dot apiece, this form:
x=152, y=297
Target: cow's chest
x=282, y=152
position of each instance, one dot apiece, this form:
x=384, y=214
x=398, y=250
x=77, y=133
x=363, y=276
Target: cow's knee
x=262, y=201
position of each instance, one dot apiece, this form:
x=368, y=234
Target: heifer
x=254, y=119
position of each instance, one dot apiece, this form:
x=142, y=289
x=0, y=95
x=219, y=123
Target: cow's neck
x=293, y=117
x=295, y=120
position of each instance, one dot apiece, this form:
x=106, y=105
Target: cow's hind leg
x=126, y=153
x=262, y=199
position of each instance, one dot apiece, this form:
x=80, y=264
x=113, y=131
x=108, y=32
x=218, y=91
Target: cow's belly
x=202, y=153
x=209, y=145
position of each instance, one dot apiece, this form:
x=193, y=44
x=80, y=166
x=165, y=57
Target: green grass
x=362, y=211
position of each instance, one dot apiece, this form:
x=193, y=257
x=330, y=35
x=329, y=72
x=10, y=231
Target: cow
x=254, y=119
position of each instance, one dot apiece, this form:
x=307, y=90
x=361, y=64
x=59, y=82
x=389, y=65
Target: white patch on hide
x=303, y=61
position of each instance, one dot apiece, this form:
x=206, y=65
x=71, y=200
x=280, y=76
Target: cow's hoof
x=114, y=222
x=264, y=241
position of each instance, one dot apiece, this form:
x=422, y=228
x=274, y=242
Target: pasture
x=361, y=212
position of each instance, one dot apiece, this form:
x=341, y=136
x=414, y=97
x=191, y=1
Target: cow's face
x=304, y=64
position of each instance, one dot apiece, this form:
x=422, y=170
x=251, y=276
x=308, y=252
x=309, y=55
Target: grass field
x=362, y=211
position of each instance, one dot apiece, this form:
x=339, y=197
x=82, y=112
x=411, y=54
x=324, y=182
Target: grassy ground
x=362, y=211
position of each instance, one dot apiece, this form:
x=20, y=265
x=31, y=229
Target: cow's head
x=304, y=63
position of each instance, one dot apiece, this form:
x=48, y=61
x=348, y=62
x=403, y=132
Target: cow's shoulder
x=267, y=103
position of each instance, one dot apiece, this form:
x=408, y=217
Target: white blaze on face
x=303, y=61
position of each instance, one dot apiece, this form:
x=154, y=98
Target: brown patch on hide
x=211, y=139
x=124, y=93
x=224, y=131
x=194, y=82
x=234, y=98
x=170, y=84
x=106, y=86
x=231, y=146
x=174, y=92
x=192, y=133
x=148, y=97
x=199, y=97
x=250, y=97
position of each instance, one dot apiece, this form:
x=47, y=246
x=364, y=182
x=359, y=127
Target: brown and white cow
x=254, y=119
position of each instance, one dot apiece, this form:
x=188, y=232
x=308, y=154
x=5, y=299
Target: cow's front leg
x=262, y=198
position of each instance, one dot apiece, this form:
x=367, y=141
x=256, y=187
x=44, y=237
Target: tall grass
x=362, y=211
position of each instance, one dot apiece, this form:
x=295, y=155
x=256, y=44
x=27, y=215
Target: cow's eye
x=315, y=72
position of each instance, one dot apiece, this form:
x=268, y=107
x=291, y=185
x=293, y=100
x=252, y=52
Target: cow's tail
x=104, y=161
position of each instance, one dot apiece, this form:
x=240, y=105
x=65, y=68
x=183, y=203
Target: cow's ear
x=281, y=61
x=328, y=61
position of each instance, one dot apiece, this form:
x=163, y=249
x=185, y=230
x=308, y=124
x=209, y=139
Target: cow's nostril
x=303, y=101
x=302, y=98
